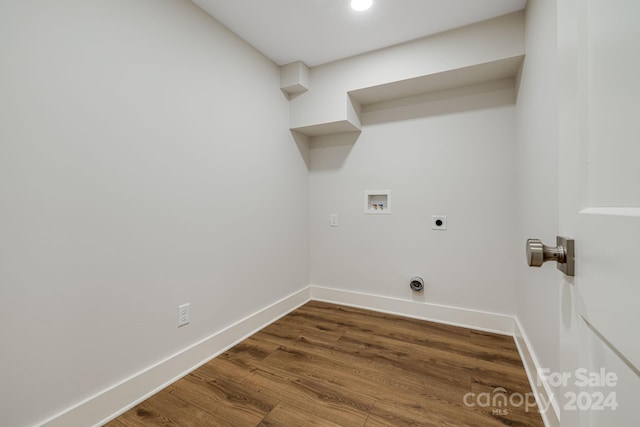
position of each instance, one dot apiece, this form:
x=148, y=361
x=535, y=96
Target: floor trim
x=545, y=399
x=121, y=397
x=473, y=319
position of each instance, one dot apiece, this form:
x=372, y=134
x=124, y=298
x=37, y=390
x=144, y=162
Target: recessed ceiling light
x=361, y=4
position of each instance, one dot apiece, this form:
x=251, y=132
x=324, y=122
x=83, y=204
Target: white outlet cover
x=184, y=314
x=438, y=222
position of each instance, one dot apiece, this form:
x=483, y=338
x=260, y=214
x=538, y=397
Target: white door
x=599, y=178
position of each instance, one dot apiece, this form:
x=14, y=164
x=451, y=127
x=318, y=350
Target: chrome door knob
x=538, y=254
x=563, y=254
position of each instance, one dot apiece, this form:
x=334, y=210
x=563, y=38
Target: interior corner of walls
x=518, y=76
x=545, y=399
x=114, y=401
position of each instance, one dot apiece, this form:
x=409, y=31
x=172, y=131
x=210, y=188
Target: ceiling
x=321, y=31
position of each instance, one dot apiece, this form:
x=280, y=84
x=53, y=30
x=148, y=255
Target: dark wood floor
x=330, y=365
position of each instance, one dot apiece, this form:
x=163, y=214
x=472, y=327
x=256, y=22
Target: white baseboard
x=545, y=399
x=121, y=397
x=480, y=320
x=116, y=400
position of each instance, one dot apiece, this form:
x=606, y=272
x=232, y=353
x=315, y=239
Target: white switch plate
x=333, y=220
x=184, y=314
x=438, y=222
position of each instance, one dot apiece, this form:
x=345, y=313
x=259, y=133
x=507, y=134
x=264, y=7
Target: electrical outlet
x=184, y=314
x=438, y=222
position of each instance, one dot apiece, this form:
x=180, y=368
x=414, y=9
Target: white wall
x=145, y=162
x=453, y=157
x=537, y=181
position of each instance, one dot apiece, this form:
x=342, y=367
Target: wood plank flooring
x=331, y=365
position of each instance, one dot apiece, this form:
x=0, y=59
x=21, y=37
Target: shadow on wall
x=468, y=98
x=303, y=143
x=337, y=146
